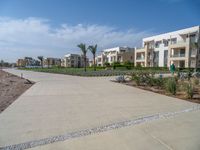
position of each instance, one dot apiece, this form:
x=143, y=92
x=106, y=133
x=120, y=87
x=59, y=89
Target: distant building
x=117, y=54
x=50, y=62
x=74, y=60
x=21, y=63
x=91, y=63
x=27, y=61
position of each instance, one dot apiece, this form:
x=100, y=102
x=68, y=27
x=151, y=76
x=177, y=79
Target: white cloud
x=35, y=36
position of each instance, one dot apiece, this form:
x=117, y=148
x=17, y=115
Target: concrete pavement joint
x=86, y=132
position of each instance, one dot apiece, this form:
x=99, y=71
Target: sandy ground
x=11, y=87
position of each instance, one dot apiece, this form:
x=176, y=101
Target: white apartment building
x=73, y=60
x=180, y=47
x=117, y=54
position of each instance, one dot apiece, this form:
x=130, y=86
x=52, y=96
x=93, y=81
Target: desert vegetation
x=183, y=85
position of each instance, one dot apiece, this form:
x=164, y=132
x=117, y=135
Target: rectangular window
x=165, y=57
x=165, y=42
x=157, y=44
x=173, y=40
x=119, y=58
x=156, y=59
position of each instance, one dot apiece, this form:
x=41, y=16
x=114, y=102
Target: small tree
x=93, y=50
x=84, y=51
x=107, y=64
x=48, y=62
x=189, y=90
x=2, y=64
x=171, y=86
x=41, y=58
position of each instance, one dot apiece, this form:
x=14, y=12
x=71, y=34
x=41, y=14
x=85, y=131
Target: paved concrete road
x=59, y=104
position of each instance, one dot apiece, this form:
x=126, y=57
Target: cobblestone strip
x=100, y=129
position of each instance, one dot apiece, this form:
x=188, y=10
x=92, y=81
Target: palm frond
x=83, y=48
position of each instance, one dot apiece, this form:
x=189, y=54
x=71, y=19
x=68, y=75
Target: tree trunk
x=94, y=63
x=85, y=62
x=42, y=63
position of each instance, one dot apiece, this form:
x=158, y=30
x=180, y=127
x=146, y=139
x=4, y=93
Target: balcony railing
x=179, y=42
x=178, y=55
x=193, y=53
x=140, y=58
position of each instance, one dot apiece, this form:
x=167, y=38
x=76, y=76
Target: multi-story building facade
x=180, y=47
x=117, y=54
x=21, y=63
x=27, y=61
x=74, y=60
x=49, y=62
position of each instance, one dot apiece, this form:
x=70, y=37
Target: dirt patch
x=11, y=87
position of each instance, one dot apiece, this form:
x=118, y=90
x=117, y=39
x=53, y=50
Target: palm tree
x=93, y=50
x=41, y=60
x=84, y=51
x=48, y=62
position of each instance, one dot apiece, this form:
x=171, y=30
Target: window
x=174, y=41
x=114, y=58
x=165, y=42
x=157, y=44
x=119, y=58
x=182, y=52
x=165, y=57
x=193, y=38
x=156, y=59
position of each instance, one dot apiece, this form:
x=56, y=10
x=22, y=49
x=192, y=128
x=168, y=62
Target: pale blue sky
x=55, y=27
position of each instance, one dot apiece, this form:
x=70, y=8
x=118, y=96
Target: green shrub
x=178, y=74
x=171, y=86
x=107, y=64
x=128, y=65
x=189, y=75
x=137, y=80
x=189, y=91
x=196, y=81
x=116, y=64
x=158, y=82
x=143, y=77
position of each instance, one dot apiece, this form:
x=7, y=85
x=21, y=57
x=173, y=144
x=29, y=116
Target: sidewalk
x=59, y=104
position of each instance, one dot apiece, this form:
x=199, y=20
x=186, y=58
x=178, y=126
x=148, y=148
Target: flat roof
x=168, y=34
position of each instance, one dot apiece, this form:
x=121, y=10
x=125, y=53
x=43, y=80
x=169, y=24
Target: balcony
x=179, y=44
x=140, y=50
x=150, y=57
x=177, y=55
x=193, y=53
x=140, y=58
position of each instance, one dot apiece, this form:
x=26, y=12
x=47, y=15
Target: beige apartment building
x=180, y=47
x=49, y=62
x=27, y=62
x=21, y=63
x=117, y=54
x=74, y=60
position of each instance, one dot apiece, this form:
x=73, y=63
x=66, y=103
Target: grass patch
x=100, y=71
